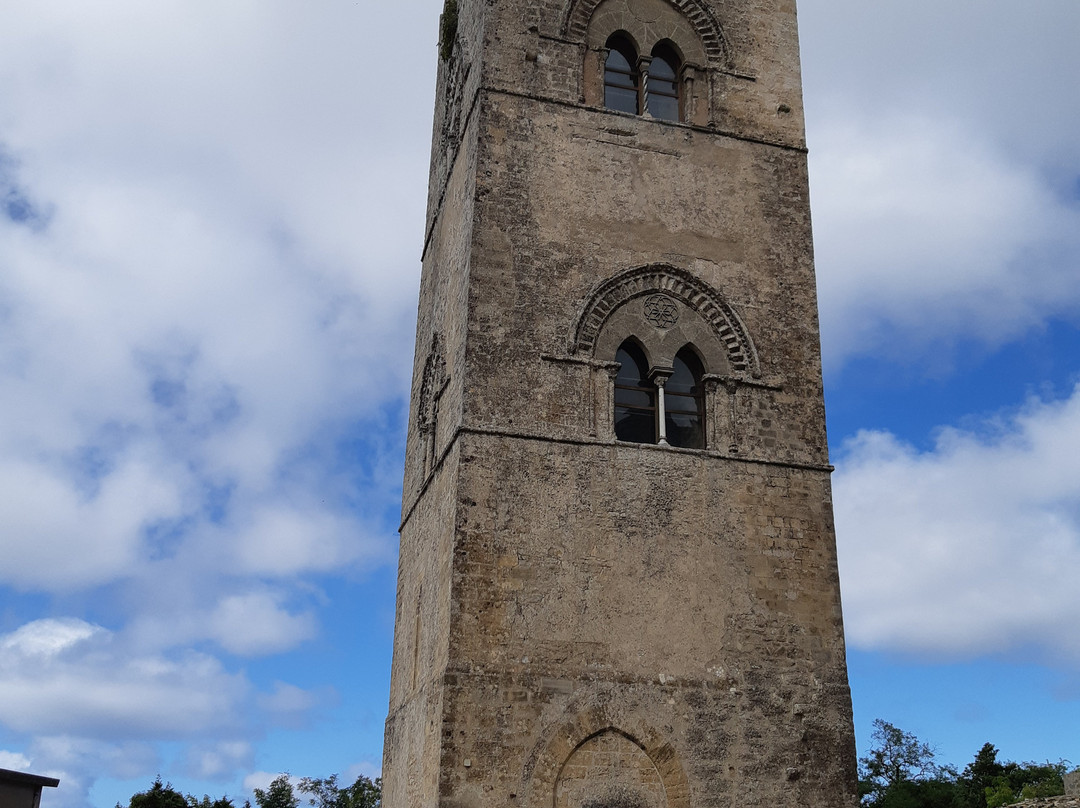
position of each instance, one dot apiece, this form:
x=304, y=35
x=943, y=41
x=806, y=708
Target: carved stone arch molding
x=432, y=383
x=604, y=760
x=680, y=284
x=579, y=12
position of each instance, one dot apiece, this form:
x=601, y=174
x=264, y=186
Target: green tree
x=1047, y=780
x=895, y=758
x=363, y=793
x=325, y=793
x=206, y=802
x=979, y=776
x=999, y=793
x=165, y=796
x=1033, y=780
x=159, y=795
x=278, y=795
x=900, y=772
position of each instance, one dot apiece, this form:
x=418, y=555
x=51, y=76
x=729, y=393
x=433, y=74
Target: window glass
x=635, y=397
x=663, y=99
x=662, y=69
x=684, y=402
x=617, y=60
x=621, y=100
x=621, y=76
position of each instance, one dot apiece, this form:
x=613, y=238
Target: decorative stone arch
x=578, y=13
x=432, y=384
x=680, y=284
x=545, y=768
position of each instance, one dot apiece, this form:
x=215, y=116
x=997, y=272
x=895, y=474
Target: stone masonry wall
x=725, y=639
x=547, y=241
x=1072, y=784
x=581, y=622
x=1052, y=802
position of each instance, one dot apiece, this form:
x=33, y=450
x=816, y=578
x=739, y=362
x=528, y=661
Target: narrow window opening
x=635, y=397
x=663, y=84
x=684, y=398
x=621, y=76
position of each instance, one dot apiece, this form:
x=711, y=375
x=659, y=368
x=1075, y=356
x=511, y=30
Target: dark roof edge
x=31, y=779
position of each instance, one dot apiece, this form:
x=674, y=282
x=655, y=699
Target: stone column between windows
x=610, y=371
x=643, y=83
x=659, y=377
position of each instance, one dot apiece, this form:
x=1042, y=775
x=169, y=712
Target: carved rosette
x=661, y=311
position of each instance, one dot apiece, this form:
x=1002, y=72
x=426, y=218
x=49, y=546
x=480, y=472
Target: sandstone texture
x=1072, y=783
x=1064, y=801
x=584, y=622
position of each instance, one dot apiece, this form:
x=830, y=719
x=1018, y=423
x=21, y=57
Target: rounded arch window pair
x=671, y=412
x=629, y=88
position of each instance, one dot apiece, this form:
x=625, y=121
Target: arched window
x=662, y=98
x=621, y=76
x=684, y=399
x=635, y=396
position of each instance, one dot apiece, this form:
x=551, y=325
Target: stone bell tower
x=618, y=582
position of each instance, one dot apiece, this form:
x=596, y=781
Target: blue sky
x=210, y=227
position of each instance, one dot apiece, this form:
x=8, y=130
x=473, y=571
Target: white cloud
x=260, y=780
x=943, y=171
x=365, y=767
x=207, y=287
x=49, y=638
x=57, y=536
x=278, y=540
x=252, y=621
x=970, y=548
x=926, y=233
x=1002, y=72
x=13, y=761
x=288, y=701
x=72, y=678
x=255, y=623
x=94, y=705
x=137, y=393
x=217, y=761
x=78, y=762
x=225, y=271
